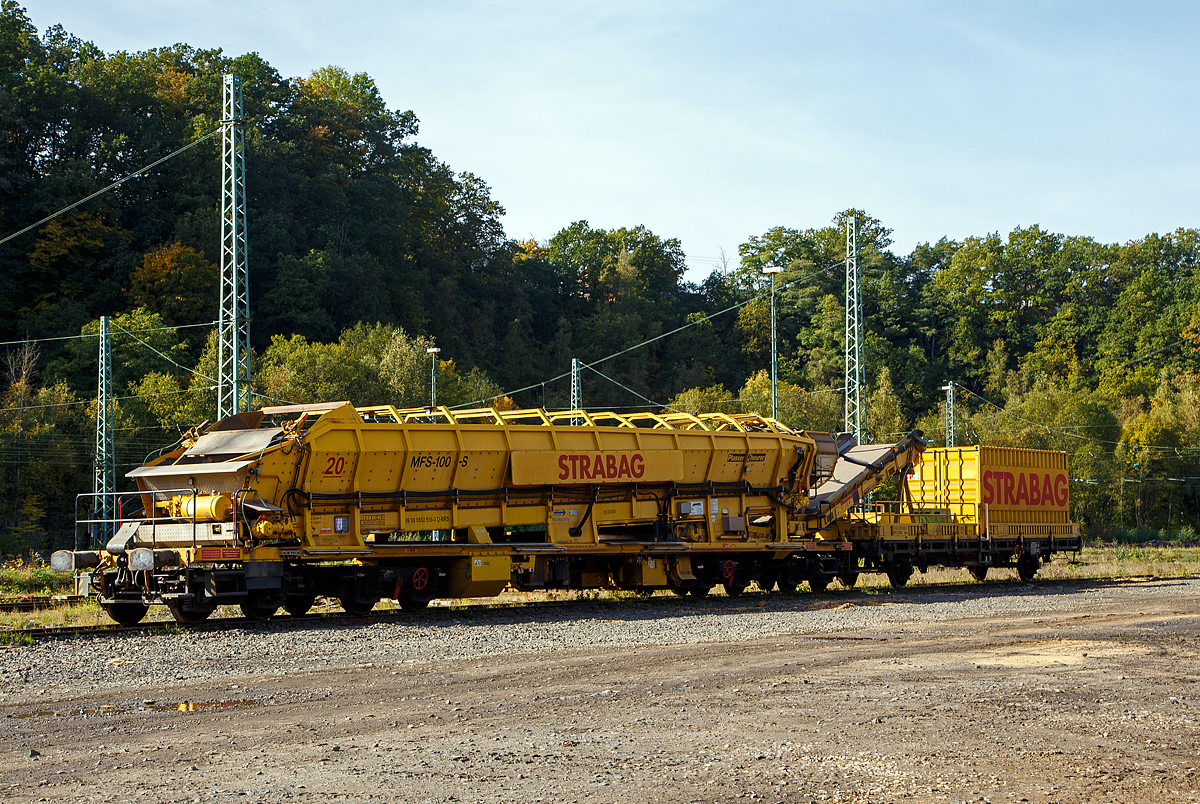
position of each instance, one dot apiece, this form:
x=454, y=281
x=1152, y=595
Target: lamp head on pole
x=433, y=351
x=772, y=269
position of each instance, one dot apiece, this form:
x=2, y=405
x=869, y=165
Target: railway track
x=749, y=601
x=39, y=602
x=216, y=623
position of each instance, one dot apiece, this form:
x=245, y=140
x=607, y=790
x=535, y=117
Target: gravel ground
x=1064, y=692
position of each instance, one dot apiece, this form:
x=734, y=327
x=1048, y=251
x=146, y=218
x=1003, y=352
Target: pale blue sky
x=712, y=121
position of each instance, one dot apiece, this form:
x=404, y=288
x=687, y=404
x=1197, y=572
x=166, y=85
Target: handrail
x=153, y=519
x=713, y=422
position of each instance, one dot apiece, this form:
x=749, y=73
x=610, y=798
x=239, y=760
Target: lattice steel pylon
x=854, y=329
x=104, y=467
x=576, y=390
x=233, y=347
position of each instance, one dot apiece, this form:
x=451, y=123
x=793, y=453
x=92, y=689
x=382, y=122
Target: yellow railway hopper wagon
x=276, y=507
x=976, y=507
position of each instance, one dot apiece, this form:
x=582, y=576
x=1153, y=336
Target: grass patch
x=33, y=577
x=1126, y=561
x=1146, y=536
x=85, y=612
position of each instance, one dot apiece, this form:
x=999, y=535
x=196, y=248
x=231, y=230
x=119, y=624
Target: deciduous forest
x=366, y=249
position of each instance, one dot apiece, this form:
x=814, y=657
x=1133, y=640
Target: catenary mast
x=233, y=348
x=854, y=328
x=104, y=467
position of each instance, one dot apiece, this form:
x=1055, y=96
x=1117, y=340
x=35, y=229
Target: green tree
x=714, y=399
x=177, y=283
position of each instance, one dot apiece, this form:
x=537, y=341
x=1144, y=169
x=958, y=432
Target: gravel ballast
x=1062, y=692
x=137, y=660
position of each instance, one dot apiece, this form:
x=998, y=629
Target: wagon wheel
x=1027, y=567
x=729, y=573
x=848, y=579
x=699, y=591
x=355, y=607
x=413, y=604
x=258, y=607
x=765, y=584
x=126, y=612
x=818, y=584
x=413, y=594
x=298, y=605
x=786, y=585
x=978, y=571
x=190, y=614
x=898, y=574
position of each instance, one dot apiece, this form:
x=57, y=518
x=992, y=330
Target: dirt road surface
x=1003, y=692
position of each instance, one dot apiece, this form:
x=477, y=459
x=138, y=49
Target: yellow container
x=993, y=485
x=409, y=474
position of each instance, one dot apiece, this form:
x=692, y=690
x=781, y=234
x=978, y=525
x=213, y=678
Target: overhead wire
x=163, y=356
x=760, y=295
x=1077, y=385
x=626, y=387
x=70, y=207
x=1129, y=363
x=115, y=184
x=1066, y=431
x=97, y=334
x=116, y=398
x=799, y=394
